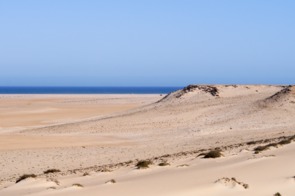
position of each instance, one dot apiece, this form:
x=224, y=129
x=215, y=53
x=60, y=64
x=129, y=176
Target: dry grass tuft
x=143, y=164
x=51, y=171
x=164, y=163
x=86, y=174
x=212, y=154
x=78, y=185
x=112, y=181
x=25, y=176
x=277, y=194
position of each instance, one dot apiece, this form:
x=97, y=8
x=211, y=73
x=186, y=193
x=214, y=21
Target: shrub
x=164, y=163
x=143, y=164
x=258, y=149
x=56, y=181
x=212, y=154
x=277, y=194
x=251, y=142
x=111, y=181
x=78, y=185
x=25, y=176
x=86, y=174
x=284, y=142
x=51, y=171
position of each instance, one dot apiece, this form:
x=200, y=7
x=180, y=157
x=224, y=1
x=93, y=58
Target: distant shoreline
x=87, y=90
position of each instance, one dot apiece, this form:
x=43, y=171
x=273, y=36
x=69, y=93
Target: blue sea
x=87, y=90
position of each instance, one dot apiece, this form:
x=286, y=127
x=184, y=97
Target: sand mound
x=205, y=90
x=283, y=97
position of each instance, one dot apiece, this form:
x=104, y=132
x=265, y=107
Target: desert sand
x=96, y=141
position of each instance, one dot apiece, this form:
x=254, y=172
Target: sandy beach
x=206, y=140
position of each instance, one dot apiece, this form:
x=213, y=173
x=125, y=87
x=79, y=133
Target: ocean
x=87, y=90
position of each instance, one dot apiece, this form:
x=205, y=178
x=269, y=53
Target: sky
x=146, y=43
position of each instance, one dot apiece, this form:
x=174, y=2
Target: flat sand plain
x=97, y=140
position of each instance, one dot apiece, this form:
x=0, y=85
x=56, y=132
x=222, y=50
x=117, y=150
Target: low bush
x=25, y=176
x=78, y=185
x=112, y=181
x=143, y=164
x=164, y=163
x=51, y=171
x=212, y=154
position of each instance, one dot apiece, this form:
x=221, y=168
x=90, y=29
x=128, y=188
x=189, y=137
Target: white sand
x=182, y=122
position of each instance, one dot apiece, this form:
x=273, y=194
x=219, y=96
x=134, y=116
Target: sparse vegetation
x=143, y=164
x=212, y=154
x=25, y=176
x=234, y=181
x=183, y=165
x=164, y=163
x=254, y=142
x=86, y=174
x=285, y=141
x=78, y=185
x=54, y=180
x=259, y=149
x=51, y=171
x=104, y=170
x=111, y=181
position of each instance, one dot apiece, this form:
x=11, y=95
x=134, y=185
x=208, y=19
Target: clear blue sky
x=146, y=42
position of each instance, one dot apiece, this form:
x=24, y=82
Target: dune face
x=285, y=97
x=174, y=130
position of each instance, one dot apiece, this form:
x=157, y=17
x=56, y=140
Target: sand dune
x=173, y=129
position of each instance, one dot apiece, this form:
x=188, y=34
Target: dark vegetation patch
x=216, y=153
x=78, y=185
x=51, y=171
x=254, y=142
x=164, y=163
x=259, y=149
x=55, y=181
x=86, y=174
x=112, y=181
x=277, y=194
x=190, y=88
x=25, y=176
x=208, y=89
x=284, y=141
x=143, y=164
